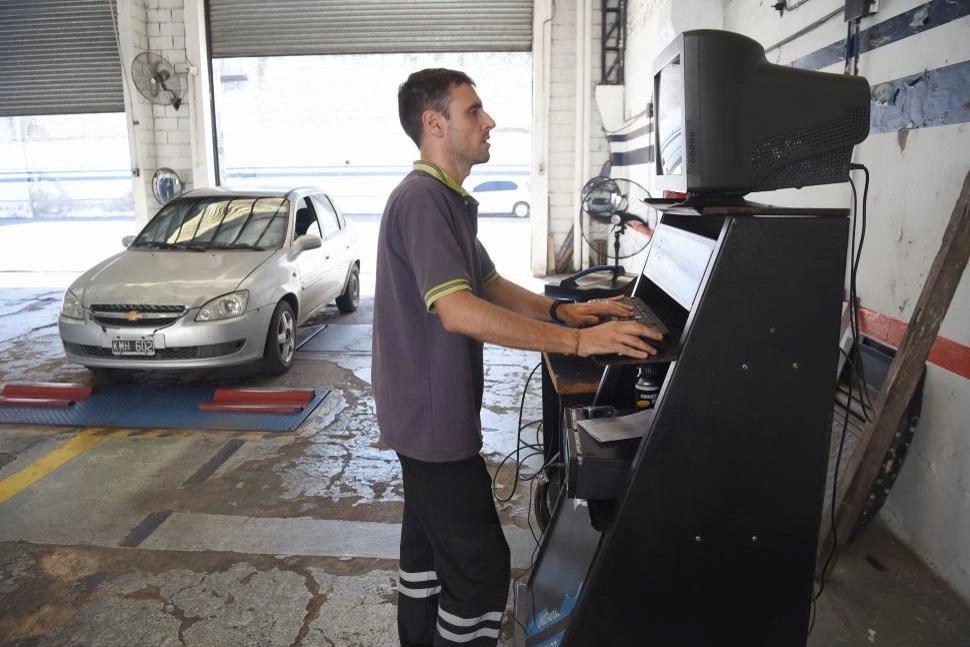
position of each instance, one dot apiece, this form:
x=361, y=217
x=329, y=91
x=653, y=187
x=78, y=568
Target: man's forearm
x=513, y=297
x=469, y=315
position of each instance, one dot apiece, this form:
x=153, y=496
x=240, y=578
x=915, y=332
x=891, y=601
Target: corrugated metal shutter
x=58, y=57
x=299, y=27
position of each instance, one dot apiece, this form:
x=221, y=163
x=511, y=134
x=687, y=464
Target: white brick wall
x=160, y=43
x=159, y=15
x=163, y=134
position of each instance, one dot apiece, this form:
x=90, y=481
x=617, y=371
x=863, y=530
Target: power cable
x=518, y=446
x=855, y=261
x=855, y=374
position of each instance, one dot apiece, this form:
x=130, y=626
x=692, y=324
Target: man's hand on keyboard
x=592, y=312
x=626, y=338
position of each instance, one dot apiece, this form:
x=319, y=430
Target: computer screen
x=677, y=262
x=729, y=122
x=670, y=122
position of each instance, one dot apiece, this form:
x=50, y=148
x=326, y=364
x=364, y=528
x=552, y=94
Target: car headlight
x=225, y=307
x=71, y=306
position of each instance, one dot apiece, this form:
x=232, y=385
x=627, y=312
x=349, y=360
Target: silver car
x=216, y=278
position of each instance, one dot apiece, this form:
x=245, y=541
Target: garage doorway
x=65, y=166
x=332, y=121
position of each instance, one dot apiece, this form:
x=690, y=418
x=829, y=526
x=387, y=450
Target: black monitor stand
x=702, y=529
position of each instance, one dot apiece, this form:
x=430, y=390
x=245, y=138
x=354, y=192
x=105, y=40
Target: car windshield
x=217, y=223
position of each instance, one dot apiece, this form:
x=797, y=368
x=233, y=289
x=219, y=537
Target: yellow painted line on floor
x=46, y=464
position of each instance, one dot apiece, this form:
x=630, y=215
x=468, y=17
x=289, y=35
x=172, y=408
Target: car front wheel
x=350, y=299
x=280, y=340
x=521, y=209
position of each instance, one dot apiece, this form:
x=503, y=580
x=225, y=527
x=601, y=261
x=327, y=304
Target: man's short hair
x=428, y=89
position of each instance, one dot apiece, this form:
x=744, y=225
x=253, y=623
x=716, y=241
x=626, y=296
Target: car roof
x=219, y=191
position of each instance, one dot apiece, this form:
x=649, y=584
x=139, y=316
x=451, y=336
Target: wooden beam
x=907, y=366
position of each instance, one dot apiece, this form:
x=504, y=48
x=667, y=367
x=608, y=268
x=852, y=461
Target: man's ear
x=431, y=123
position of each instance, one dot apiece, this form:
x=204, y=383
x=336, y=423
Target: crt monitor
x=726, y=121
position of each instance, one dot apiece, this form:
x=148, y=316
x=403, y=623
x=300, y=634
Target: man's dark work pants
x=454, y=577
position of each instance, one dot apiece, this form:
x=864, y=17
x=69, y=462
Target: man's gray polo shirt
x=428, y=382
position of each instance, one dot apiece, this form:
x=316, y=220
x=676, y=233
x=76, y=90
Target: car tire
x=521, y=209
x=350, y=299
x=280, y=340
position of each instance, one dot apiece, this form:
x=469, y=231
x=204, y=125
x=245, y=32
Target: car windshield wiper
x=192, y=246
x=154, y=245
x=224, y=245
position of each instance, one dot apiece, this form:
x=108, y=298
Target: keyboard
x=667, y=349
x=643, y=314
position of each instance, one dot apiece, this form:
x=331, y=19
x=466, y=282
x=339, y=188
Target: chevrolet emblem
x=132, y=315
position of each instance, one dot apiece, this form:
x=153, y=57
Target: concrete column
x=200, y=93
x=581, y=150
x=542, y=250
x=567, y=132
x=133, y=38
x=561, y=137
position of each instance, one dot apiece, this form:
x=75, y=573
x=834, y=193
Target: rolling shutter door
x=301, y=27
x=58, y=57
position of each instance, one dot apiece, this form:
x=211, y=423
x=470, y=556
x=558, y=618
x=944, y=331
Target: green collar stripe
x=436, y=172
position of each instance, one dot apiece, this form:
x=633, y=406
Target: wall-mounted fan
x=157, y=80
x=618, y=203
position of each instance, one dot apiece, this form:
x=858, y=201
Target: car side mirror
x=307, y=241
x=127, y=241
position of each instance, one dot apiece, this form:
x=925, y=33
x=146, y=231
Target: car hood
x=167, y=277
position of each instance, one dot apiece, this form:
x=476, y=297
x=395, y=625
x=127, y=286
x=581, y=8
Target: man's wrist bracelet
x=576, y=351
x=554, y=309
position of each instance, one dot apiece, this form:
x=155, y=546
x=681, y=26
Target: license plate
x=135, y=346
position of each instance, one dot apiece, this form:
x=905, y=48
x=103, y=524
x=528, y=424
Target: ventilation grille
x=178, y=353
x=136, y=315
x=814, y=155
x=142, y=307
x=824, y=169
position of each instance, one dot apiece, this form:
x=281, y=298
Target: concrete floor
x=144, y=538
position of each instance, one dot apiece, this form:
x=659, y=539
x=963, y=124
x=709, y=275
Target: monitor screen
x=669, y=104
x=677, y=261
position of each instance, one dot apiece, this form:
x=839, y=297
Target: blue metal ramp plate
x=342, y=338
x=148, y=407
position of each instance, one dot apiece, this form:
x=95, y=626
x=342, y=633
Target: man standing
x=438, y=298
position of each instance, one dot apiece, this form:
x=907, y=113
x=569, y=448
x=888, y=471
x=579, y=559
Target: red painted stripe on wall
x=945, y=353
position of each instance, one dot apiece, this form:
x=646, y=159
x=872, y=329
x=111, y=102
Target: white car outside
x=502, y=196
x=216, y=278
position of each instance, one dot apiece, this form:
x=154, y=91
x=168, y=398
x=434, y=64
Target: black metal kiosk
x=695, y=522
